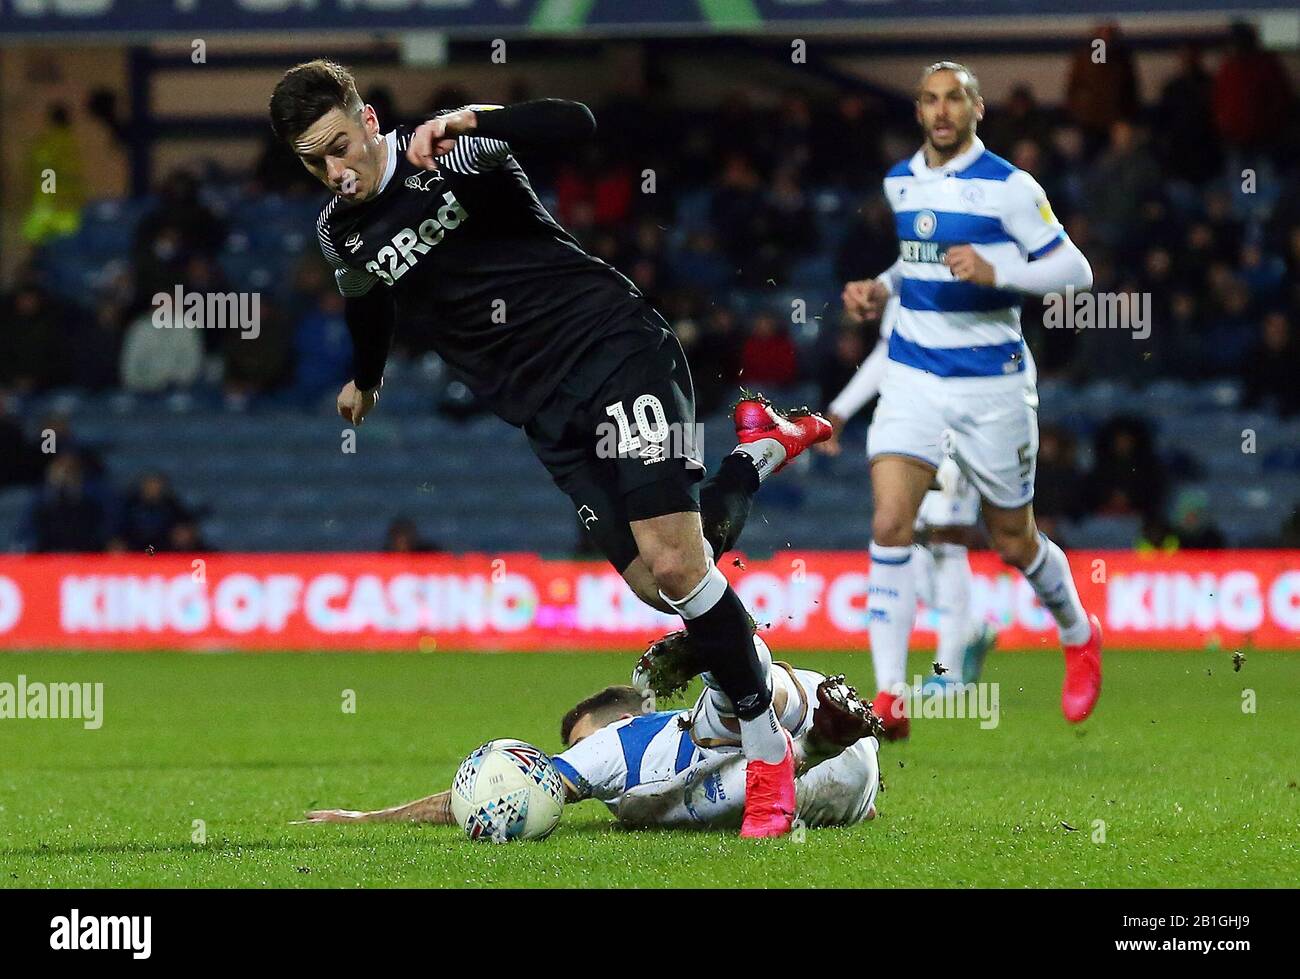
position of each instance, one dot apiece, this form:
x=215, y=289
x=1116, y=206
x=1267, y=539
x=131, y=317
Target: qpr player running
x=975, y=235
x=441, y=222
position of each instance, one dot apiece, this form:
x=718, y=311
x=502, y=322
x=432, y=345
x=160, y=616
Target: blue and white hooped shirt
x=944, y=326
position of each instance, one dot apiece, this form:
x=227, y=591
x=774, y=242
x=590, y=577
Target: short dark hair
x=605, y=706
x=307, y=92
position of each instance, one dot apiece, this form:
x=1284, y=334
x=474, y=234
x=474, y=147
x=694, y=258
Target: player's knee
x=649, y=593
x=676, y=571
x=890, y=529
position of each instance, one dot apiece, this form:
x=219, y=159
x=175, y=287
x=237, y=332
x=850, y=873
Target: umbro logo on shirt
x=353, y=243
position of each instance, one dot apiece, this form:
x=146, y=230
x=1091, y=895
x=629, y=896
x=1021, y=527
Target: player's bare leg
x=1017, y=540
x=674, y=550
x=642, y=582
x=898, y=484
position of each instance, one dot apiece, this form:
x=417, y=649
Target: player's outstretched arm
x=540, y=123
x=431, y=809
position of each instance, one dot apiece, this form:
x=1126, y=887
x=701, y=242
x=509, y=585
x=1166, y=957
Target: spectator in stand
x=158, y=359
x=1184, y=337
x=791, y=225
x=66, y=516
x=182, y=218
x=149, y=514
x=1186, y=139
x=322, y=349
x=738, y=214
x=1128, y=478
x=597, y=187
x=96, y=348
x=1289, y=533
x=30, y=341
x=1021, y=118
x=1252, y=98
x=21, y=461
x=1190, y=529
x=790, y=133
x=769, y=358
x=1058, y=483
x=717, y=366
x=847, y=148
x=846, y=356
x=1231, y=327
x=186, y=537
x=1269, y=374
x=1102, y=88
x=1123, y=175
x=870, y=245
x=54, y=177
x=403, y=537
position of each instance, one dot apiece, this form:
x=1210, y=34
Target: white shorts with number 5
x=992, y=426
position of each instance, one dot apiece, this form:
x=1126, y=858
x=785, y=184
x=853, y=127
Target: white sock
x=891, y=610
x=1049, y=574
x=923, y=571
x=762, y=737
x=952, y=586
x=778, y=680
x=765, y=453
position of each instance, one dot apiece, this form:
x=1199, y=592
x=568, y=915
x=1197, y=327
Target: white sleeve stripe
x=353, y=283
x=322, y=233
x=474, y=154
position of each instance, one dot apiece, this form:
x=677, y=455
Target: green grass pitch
x=1192, y=791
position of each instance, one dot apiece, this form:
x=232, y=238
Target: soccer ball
x=507, y=790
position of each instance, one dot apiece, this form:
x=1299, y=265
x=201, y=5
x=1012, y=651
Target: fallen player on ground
x=685, y=769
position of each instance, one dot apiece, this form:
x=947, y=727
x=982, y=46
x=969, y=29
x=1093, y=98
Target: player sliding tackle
x=975, y=235
x=440, y=221
x=683, y=769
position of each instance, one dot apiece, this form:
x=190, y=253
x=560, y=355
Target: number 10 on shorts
x=655, y=438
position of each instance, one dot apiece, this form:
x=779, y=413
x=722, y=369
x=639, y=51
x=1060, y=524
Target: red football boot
x=795, y=430
x=1082, y=675
x=892, y=711
x=769, y=796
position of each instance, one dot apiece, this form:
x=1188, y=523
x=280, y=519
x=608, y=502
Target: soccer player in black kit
x=440, y=221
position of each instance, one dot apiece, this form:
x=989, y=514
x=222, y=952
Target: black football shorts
x=618, y=433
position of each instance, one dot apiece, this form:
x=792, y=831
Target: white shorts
x=992, y=426
x=711, y=794
x=842, y=790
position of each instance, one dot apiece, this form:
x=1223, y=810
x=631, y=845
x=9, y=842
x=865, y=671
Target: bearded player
x=976, y=235
x=683, y=769
x=441, y=222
